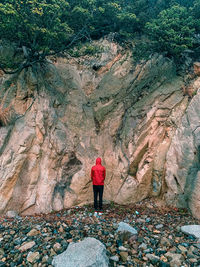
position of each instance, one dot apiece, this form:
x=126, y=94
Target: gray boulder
x=124, y=227
x=193, y=230
x=11, y=214
x=88, y=253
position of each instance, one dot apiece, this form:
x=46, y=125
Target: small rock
x=52, y=252
x=143, y=246
x=182, y=248
x=33, y=232
x=56, y=246
x=133, y=251
x=114, y=258
x=12, y=232
x=45, y=258
x=124, y=227
x=132, y=239
x=149, y=250
x=153, y=258
x=156, y=231
x=61, y=230
x=165, y=242
x=159, y=226
x=11, y=214
x=33, y=256
x=122, y=248
x=163, y=258
x=123, y=255
x=140, y=220
x=26, y=246
x=48, y=238
x=174, y=258
x=192, y=249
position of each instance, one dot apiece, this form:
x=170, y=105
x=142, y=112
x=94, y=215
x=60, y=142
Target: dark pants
x=98, y=192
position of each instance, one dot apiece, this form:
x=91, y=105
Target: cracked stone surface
x=67, y=114
x=183, y=160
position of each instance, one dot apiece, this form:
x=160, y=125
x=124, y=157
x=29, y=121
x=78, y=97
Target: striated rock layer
x=65, y=115
x=183, y=159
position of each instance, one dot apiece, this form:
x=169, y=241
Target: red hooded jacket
x=98, y=173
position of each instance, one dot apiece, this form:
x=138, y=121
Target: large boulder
x=193, y=230
x=88, y=253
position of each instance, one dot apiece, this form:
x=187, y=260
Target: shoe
x=100, y=212
x=95, y=213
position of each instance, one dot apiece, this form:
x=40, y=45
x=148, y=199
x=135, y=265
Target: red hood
x=98, y=161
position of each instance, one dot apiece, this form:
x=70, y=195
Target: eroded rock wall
x=67, y=114
x=183, y=159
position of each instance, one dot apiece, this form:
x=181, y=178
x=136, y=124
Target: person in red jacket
x=98, y=175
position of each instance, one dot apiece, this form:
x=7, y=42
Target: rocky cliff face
x=63, y=116
x=183, y=159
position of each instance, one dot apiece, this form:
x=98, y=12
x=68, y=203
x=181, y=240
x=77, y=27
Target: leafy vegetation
x=39, y=28
x=172, y=31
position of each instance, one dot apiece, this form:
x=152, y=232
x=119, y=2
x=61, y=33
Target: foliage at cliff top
x=36, y=26
x=173, y=30
x=43, y=27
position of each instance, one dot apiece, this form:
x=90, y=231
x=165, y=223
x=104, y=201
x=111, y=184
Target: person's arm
x=104, y=173
x=92, y=173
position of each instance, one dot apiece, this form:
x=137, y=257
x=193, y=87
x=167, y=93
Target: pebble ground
x=35, y=240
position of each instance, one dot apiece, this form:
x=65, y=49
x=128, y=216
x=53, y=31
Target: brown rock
x=52, y=252
x=165, y=241
x=56, y=246
x=33, y=256
x=27, y=245
x=133, y=251
x=123, y=255
x=163, y=258
x=33, y=232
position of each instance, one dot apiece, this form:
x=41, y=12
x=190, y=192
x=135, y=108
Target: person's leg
x=95, y=190
x=100, y=196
